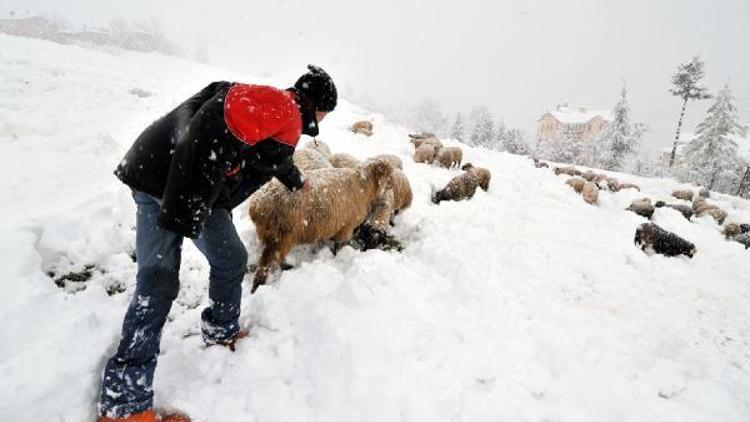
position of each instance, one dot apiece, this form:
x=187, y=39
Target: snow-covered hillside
x=522, y=304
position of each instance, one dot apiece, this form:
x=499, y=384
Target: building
x=581, y=122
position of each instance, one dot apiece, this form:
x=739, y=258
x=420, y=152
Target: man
x=187, y=171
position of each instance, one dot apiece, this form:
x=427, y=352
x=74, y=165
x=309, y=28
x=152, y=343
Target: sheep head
x=378, y=171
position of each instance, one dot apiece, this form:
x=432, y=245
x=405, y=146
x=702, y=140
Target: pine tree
x=619, y=141
x=501, y=134
x=711, y=157
x=514, y=144
x=569, y=147
x=484, y=130
x=457, y=130
x=686, y=86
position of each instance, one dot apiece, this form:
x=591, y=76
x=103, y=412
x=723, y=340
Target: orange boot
x=147, y=416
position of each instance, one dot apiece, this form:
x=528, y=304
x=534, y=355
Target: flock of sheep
x=649, y=235
x=348, y=198
x=429, y=150
x=352, y=199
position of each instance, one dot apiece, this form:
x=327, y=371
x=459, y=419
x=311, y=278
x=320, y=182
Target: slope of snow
x=523, y=303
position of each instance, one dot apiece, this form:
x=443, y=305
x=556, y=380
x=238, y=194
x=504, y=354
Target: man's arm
x=277, y=160
x=196, y=175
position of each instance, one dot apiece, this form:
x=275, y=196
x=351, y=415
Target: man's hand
x=307, y=187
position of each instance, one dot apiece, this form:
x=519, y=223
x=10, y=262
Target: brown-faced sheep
x=576, y=183
x=344, y=160
x=482, y=174
x=716, y=213
x=686, y=195
x=337, y=203
x=459, y=188
x=449, y=157
x=363, y=126
x=731, y=230
x=319, y=146
x=652, y=237
x=685, y=210
x=569, y=170
x=590, y=193
x=391, y=159
x=642, y=207
x=309, y=159
x=425, y=153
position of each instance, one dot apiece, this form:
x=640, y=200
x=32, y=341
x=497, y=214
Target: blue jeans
x=128, y=375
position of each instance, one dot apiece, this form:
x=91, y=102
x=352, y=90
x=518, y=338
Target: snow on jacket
x=215, y=149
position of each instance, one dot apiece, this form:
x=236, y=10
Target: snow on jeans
x=128, y=376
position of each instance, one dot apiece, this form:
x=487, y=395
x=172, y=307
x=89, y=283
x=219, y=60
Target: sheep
x=642, y=207
x=576, y=183
x=590, y=193
x=429, y=139
x=319, y=146
x=621, y=186
x=744, y=239
x=391, y=159
x=540, y=164
x=717, y=213
x=425, y=153
x=589, y=176
x=309, y=159
x=613, y=185
x=685, y=210
x=652, y=237
x=731, y=230
x=570, y=171
x=700, y=204
x=396, y=197
x=744, y=228
x=337, y=203
x=482, y=174
x=702, y=207
x=449, y=157
x=344, y=160
x=686, y=195
x=459, y=188
x=363, y=126
x=704, y=193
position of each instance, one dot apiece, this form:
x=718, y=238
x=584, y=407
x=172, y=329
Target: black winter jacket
x=192, y=161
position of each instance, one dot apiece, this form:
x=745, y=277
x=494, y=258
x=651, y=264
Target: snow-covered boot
x=147, y=416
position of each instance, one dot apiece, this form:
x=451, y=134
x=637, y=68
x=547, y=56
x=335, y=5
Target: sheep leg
x=264, y=265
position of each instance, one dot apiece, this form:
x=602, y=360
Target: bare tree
x=686, y=86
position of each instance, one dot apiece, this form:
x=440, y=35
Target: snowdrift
x=524, y=303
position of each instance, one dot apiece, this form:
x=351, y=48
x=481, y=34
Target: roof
x=569, y=115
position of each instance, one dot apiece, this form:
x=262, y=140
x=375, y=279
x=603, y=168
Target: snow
x=523, y=303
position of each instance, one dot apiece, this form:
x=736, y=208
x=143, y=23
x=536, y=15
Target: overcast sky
x=518, y=59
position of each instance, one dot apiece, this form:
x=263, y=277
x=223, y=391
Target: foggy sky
x=518, y=59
